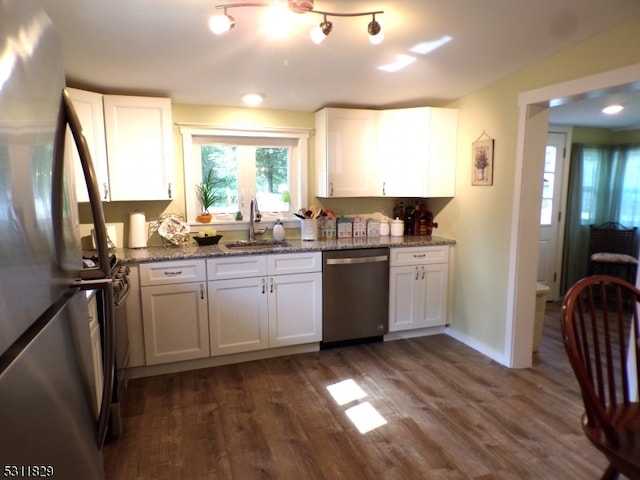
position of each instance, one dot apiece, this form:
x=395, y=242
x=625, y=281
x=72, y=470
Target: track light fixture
x=223, y=23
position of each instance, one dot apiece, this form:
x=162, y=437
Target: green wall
x=479, y=218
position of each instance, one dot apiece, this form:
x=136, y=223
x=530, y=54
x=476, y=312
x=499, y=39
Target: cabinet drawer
x=419, y=255
x=285, y=263
x=242, y=266
x=163, y=273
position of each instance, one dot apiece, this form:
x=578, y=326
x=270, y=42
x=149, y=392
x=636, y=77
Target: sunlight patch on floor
x=363, y=415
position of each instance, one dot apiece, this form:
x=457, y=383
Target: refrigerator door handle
x=68, y=116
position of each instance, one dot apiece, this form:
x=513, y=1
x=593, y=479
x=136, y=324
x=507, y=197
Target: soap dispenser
x=278, y=231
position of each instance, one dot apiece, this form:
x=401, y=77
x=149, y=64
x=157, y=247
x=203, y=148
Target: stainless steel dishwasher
x=355, y=295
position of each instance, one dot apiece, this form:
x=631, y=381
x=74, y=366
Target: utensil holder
x=309, y=229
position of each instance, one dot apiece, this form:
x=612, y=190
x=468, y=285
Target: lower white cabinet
x=418, y=287
x=174, y=311
x=264, y=301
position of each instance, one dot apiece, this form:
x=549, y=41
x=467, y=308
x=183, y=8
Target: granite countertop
x=159, y=254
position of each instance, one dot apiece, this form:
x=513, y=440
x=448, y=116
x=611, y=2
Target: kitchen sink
x=255, y=244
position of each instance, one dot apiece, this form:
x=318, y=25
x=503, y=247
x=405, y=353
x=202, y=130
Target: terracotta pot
x=204, y=218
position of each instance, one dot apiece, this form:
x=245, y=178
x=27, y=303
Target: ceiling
x=164, y=47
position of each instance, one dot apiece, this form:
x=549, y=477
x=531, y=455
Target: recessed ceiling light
x=253, y=99
x=612, y=109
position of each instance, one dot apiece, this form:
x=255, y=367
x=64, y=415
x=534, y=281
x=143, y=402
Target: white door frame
x=532, y=132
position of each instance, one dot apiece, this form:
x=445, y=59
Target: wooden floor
x=451, y=414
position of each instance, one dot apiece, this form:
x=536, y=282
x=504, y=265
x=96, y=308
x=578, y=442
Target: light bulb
x=375, y=32
x=219, y=24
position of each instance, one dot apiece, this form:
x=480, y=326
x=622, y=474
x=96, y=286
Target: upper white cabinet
x=408, y=152
x=88, y=106
x=139, y=147
x=345, y=154
x=417, y=151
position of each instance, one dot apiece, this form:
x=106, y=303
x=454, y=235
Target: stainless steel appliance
x=119, y=275
x=46, y=375
x=355, y=295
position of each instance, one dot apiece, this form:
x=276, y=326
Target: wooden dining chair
x=601, y=340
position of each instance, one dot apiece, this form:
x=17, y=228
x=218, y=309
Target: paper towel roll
x=137, y=230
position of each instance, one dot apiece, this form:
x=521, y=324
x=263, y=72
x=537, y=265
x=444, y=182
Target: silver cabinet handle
x=271, y=285
x=169, y=190
x=106, y=190
x=264, y=286
x=172, y=274
x=201, y=291
x=423, y=273
x=417, y=273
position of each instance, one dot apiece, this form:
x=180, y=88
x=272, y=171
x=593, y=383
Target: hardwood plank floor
x=451, y=414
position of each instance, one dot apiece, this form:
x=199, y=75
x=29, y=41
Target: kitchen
x=494, y=109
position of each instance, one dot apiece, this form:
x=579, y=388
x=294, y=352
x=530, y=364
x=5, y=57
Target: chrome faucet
x=254, y=216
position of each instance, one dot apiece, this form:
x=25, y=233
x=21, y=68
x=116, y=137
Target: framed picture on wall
x=482, y=161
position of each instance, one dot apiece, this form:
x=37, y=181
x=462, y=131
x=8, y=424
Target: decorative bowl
x=209, y=240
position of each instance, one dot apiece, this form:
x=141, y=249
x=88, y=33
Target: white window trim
x=298, y=168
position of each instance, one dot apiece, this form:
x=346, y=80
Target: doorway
x=553, y=206
x=532, y=127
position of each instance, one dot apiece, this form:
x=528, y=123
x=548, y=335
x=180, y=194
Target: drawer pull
x=422, y=255
x=172, y=274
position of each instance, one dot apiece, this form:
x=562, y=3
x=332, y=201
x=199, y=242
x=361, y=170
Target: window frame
x=298, y=174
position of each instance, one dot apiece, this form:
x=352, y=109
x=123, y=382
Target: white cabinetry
x=417, y=151
x=174, y=311
x=140, y=147
x=406, y=152
x=418, y=287
x=88, y=106
x=264, y=301
x=345, y=153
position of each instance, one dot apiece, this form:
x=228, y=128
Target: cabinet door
x=435, y=294
x=175, y=322
x=441, y=168
x=345, y=154
x=238, y=315
x=140, y=147
x=406, y=298
x=88, y=106
x=418, y=296
x=295, y=309
x=417, y=151
x=403, y=139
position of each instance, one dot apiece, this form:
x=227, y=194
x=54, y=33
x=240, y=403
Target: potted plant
x=206, y=196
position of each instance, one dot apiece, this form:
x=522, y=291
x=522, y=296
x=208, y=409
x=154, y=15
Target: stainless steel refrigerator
x=48, y=423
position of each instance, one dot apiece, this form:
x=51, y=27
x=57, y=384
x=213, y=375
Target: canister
x=384, y=228
x=309, y=229
x=397, y=228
